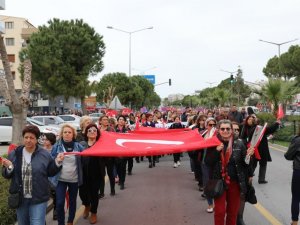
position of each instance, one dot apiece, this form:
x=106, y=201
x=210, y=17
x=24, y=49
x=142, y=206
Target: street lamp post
x=279, y=44
x=129, y=32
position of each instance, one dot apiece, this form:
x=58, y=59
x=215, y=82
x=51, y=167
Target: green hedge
x=7, y=215
x=287, y=131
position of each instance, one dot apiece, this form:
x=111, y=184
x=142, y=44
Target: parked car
x=72, y=119
x=6, y=128
x=96, y=114
x=49, y=120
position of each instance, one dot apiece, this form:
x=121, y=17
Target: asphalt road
x=169, y=196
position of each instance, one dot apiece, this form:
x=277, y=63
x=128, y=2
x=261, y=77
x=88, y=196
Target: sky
x=191, y=41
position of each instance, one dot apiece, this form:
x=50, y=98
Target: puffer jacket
x=293, y=152
x=43, y=166
x=213, y=160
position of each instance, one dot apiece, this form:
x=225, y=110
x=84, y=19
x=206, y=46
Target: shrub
x=7, y=215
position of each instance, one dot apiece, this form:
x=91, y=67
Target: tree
x=279, y=91
x=17, y=103
x=63, y=55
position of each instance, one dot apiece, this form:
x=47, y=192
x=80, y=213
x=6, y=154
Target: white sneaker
x=178, y=163
x=175, y=165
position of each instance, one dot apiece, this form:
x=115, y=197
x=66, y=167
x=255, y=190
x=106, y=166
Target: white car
x=49, y=120
x=72, y=119
x=96, y=114
x=6, y=128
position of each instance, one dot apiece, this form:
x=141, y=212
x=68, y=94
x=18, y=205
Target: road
x=169, y=196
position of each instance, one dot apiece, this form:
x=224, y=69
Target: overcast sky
x=191, y=40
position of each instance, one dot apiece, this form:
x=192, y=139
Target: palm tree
x=279, y=91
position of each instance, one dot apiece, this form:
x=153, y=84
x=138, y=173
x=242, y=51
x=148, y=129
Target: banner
x=256, y=138
x=280, y=113
x=149, y=143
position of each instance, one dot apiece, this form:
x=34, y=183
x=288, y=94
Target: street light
x=210, y=83
x=129, y=32
x=278, y=44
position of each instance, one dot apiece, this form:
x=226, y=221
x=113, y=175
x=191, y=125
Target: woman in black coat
x=246, y=135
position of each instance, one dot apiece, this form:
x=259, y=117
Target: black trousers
x=109, y=166
x=176, y=157
x=88, y=193
x=295, y=195
x=121, y=169
x=130, y=164
x=262, y=169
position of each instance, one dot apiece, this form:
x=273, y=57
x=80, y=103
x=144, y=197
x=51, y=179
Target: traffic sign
x=151, y=78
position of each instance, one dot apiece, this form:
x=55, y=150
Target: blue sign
x=77, y=105
x=151, y=78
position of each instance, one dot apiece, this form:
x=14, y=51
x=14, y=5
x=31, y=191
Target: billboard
x=151, y=78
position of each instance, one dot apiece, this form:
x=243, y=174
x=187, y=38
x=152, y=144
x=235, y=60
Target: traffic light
x=231, y=78
x=170, y=82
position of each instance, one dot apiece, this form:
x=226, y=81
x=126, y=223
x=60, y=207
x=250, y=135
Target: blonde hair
x=83, y=121
x=68, y=126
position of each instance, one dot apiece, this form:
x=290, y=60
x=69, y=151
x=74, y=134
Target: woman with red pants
x=228, y=162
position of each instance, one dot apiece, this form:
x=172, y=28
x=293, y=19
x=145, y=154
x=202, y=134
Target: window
x=11, y=58
x=10, y=41
x=9, y=25
x=6, y=121
x=13, y=74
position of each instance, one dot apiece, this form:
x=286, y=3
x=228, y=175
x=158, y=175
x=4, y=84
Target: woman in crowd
x=149, y=123
x=195, y=155
x=109, y=162
x=293, y=153
x=246, y=135
x=29, y=167
x=121, y=162
x=84, y=121
x=176, y=125
x=210, y=128
x=227, y=162
x=93, y=172
x=70, y=177
x=49, y=140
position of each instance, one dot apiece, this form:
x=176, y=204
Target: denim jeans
x=61, y=189
x=28, y=214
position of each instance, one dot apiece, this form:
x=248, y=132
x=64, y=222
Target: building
x=17, y=33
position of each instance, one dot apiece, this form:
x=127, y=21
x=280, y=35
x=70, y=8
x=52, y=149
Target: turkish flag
x=111, y=113
x=149, y=143
x=280, y=113
x=126, y=111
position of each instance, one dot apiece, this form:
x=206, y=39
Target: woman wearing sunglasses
x=93, y=172
x=228, y=162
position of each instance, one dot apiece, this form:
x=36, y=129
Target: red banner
x=280, y=113
x=149, y=143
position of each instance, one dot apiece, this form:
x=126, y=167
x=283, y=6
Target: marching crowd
x=224, y=173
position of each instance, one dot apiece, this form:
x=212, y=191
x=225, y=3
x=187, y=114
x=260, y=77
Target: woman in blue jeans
x=28, y=167
x=293, y=153
x=70, y=177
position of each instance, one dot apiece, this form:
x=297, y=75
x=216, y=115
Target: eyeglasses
x=225, y=128
x=211, y=124
x=92, y=130
x=236, y=130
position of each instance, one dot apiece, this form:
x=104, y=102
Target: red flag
x=111, y=113
x=126, y=111
x=154, y=143
x=280, y=113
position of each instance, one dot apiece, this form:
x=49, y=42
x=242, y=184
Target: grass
x=282, y=143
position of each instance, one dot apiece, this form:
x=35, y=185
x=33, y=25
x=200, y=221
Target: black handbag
x=214, y=188
x=250, y=195
x=14, y=200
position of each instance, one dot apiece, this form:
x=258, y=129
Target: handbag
x=250, y=195
x=14, y=200
x=214, y=188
